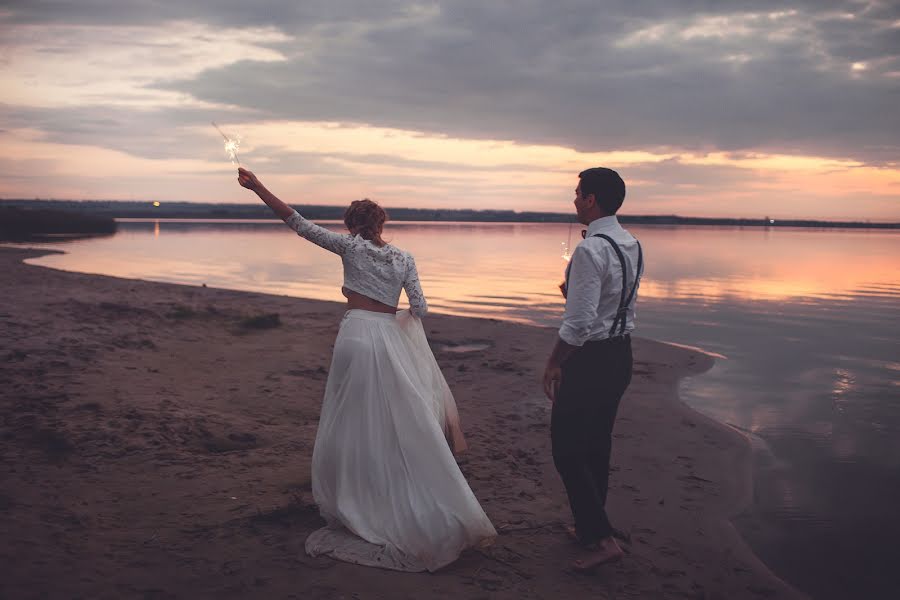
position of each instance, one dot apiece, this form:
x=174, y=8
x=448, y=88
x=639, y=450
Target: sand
x=157, y=441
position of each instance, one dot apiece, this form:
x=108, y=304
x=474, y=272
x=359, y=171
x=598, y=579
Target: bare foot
x=573, y=536
x=606, y=551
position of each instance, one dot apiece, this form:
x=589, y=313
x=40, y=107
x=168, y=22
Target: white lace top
x=370, y=270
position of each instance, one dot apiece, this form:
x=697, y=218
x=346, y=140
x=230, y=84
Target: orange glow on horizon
x=418, y=170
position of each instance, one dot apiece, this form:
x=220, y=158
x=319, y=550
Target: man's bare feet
x=606, y=551
x=617, y=534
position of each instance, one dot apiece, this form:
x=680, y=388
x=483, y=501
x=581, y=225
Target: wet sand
x=157, y=440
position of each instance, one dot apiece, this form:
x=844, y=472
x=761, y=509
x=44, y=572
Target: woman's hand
x=248, y=180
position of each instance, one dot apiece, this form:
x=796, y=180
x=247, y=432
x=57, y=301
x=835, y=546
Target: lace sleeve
x=318, y=235
x=417, y=304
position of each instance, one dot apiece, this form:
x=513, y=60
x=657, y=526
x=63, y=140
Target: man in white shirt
x=590, y=366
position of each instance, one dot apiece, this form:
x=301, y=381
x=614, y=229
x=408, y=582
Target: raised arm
x=331, y=241
x=417, y=304
x=248, y=180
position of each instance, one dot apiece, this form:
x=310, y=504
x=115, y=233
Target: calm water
x=809, y=321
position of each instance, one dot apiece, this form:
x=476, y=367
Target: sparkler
x=231, y=145
x=566, y=245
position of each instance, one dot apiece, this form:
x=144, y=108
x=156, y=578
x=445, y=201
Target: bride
x=383, y=471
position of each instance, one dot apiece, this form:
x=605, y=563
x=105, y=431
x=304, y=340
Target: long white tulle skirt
x=383, y=473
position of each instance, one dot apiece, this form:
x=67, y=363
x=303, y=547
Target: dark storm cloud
x=225, y=13
x=292, y=14
x=764, y=75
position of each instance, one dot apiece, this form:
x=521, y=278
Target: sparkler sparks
x=566, y=256
x=231, y=145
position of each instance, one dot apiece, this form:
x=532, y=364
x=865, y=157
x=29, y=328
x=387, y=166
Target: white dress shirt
x=595, y=284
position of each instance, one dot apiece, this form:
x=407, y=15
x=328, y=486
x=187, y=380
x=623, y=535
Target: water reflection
x=809, y=321
x=465, y=266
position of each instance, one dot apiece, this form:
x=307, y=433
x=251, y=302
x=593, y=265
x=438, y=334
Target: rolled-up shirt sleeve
x=582, y=298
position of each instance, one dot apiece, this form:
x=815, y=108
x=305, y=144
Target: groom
x=590, y=366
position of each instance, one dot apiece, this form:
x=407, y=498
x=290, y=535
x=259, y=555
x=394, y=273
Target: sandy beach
x=157, y=440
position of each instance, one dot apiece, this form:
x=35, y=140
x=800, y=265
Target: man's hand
x=553, y=372
x=552, y=379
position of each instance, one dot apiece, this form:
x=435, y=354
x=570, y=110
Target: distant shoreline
x=195, y=210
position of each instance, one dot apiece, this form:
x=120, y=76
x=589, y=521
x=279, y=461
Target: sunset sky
x=742, y=108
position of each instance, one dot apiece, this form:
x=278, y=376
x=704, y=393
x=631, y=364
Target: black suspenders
x=627, y=298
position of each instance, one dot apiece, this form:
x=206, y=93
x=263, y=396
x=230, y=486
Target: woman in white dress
x=383, y=471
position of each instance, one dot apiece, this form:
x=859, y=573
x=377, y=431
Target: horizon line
x=485, y=211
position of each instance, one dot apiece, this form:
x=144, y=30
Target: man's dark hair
x=606, y=186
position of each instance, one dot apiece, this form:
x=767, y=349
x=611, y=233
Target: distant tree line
x=30, y=223
x=195, y=210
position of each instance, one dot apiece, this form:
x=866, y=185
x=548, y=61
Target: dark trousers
x=593, y=381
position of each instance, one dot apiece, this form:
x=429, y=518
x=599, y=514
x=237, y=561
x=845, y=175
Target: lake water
x=808, y=320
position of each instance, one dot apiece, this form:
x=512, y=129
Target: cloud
x=520, y=87
x=818, y=77
x=77, y=65
x=591, y=80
